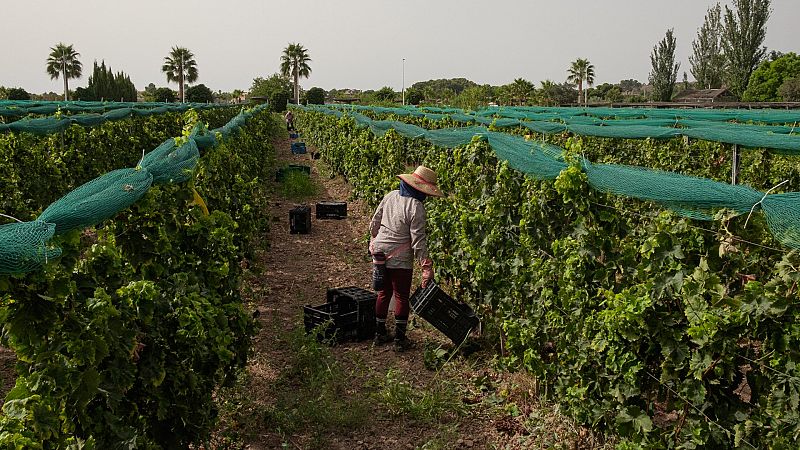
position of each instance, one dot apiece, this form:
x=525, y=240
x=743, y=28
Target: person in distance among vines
x=289, y=117
x=398, y=239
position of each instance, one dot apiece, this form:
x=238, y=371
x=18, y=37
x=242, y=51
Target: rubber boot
x=401, y=342
x=381, y=335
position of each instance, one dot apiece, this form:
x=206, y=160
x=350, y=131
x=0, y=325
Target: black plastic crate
x=298, y=148
x=454, y=319
x=362, y=302
x=331, y=210
x=300, y=220
x=281, y=173
x=332, y=321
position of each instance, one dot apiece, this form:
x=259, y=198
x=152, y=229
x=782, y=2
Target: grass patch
x=444, y=439
x=298, y=186
x=309, y=397
x=436, y=403
x=311, y=393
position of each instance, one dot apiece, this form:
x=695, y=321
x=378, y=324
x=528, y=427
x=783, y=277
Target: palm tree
x=547, y=89
x=180, y=66
x=579, y=71
x=522, y=91
x=235, y=95
x=63, y=62
x=295, y=61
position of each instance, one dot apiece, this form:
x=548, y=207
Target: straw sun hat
x=423, y=180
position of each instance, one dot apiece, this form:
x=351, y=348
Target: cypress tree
x=707, y=59
x=665, y=68
x=104, y=84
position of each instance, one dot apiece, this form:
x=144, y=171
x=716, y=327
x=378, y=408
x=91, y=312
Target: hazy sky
x=359, y=43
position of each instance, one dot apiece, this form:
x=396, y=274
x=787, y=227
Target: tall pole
x=735, y=165
x=404, y=82
x=64, y=74
x=183, y=88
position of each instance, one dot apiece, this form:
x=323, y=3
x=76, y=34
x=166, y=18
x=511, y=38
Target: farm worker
x=289, y=116
x=398, y=238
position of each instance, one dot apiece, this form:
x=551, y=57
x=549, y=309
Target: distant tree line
x=104, y=84
x=466, y=94
x=729, y=52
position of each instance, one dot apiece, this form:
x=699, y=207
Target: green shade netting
x=361, y=120
x=434, y=109
x=41, y=126
x=694, y=197
x=534, y=159
x=19, y=108
x=24, y=246
x=455, y=137
x=650, y=122
x=49, y=125
x=461, y=117
x=170, y=163
x=675, y=191
x=767, y=116
x=380, y=127
x=781, y=143
x=783, y=217
x=205, y=141
x=626, y=132
x=544, y=127
x=710, y=125
x=88, y=120
x=97, y=200
x=691, y=123
x=118, y=114
x=434, y=116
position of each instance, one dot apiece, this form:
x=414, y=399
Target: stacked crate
x=348, y=314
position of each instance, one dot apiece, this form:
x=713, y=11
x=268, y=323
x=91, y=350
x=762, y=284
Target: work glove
x=427, y=272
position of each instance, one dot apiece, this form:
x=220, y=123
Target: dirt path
x=299, y=394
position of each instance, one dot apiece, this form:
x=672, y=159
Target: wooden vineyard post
x=735, y=165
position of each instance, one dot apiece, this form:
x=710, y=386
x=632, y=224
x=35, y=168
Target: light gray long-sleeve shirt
x=398, y=230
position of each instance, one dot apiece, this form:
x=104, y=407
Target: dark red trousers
x=397, y=283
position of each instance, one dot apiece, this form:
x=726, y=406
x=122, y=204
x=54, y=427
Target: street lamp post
x=404, y=82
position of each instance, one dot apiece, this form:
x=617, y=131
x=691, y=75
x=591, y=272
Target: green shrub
x=315, y=96
x=199, y=94
x=278, y=101
x=18, y=94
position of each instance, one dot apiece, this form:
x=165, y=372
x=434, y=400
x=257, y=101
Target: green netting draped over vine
x=700, y=196
x=694, y=197
x=628, y=123
x=538, y=160
x=783, y=217
x=170, y=163
x=97, y=200
x=20, y=108
x=768, y=116
x=49, y=125
x=24, y=246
